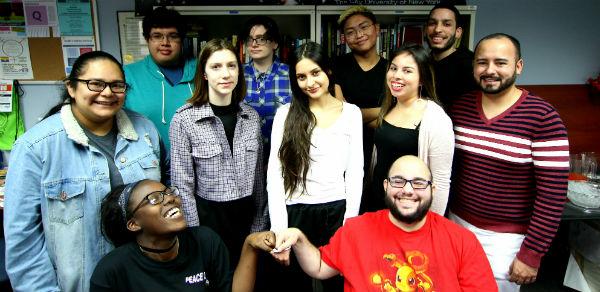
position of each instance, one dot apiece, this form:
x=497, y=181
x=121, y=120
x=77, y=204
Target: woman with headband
x=156, y=251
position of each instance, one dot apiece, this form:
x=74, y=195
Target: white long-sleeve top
x=335, y=171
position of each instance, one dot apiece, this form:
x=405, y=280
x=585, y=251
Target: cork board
x=46, y=58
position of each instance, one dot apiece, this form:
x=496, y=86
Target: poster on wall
x=12, y=18
x=75, y=17
x=73, y=47
x=15, y=62
x=133, y=44
x=41, y=18
x=6, y=96
x=12, y=13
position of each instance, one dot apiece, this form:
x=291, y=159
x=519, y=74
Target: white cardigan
x=436, y=149
x=336, y=166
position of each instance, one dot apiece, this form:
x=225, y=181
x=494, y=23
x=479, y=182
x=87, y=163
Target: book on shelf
x=412, y=34
x=391, y=37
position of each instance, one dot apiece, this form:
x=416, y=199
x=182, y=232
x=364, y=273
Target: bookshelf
x=296, y=24
x=395, y=22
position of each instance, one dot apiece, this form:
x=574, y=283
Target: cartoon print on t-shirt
x=410, y=274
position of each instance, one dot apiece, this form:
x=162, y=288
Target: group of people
x=174, y=173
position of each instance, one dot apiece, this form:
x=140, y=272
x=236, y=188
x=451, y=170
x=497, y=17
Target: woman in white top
x=315, y=171
x=411, y=122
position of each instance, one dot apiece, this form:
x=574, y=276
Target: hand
x=282, y=257
x=521, y=273
x=285, y=240
x=262, y=240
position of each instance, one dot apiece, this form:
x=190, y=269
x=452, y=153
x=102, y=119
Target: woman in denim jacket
x=60, y=171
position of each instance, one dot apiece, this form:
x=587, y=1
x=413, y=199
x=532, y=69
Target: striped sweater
x=511, y=171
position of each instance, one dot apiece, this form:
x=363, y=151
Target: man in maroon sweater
x=512, y=158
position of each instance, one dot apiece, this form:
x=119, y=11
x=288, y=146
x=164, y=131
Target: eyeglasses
x=99, y=85
x=158, y=37
x=352, y=32
x=417, y=183
x=259, y=40
x=157, y=197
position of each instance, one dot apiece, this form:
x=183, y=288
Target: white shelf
x=390, y=13
x=288, y=15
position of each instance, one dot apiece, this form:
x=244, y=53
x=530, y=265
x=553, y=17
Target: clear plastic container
x=584, y=194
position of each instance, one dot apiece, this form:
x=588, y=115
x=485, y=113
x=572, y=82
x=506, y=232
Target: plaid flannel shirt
x=267, y=91
x=202, y=163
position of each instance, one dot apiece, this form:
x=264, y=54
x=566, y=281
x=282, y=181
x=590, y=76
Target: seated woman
x=157, y=252
x=412, y=123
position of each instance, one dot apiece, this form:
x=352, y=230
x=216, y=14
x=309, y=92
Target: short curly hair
x=162, y=17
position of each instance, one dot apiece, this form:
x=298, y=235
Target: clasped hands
x=278, y=245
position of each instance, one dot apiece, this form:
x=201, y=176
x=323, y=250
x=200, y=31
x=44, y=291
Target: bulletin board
x=132, y=43
x=52, y=33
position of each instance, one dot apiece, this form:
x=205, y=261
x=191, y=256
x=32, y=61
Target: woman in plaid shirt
x=216, y=151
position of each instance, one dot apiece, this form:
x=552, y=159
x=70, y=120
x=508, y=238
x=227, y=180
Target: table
x=574, y=212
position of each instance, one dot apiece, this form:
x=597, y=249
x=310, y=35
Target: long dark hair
x=112, y=222
x=426, y=77
x=200, y=95
x=300, y=122
x=79, y=67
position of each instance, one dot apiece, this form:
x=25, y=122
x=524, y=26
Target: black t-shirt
x=228, y=116
x=365, y=89
x=392, y=143
x=454, y=76
x=201, y=265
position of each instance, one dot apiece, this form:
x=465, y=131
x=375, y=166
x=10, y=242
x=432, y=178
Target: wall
x=559, y=38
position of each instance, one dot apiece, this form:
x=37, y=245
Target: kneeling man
x=403, y=248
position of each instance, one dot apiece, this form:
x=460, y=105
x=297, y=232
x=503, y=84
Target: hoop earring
x=420, y=89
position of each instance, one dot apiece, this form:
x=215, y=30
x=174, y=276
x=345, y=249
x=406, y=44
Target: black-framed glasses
x=99, y=85
x=352, y=32
x=259, y=40
x=159, y=37
x=400, y=182
x=157, y=197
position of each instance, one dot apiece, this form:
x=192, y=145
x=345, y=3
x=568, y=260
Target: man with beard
x=405, y=247
x=360, y=74
x=452, y=66
x=513, y=153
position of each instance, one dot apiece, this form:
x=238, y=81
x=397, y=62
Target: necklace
x=153, y=250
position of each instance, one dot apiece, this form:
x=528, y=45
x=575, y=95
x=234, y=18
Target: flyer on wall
x=15, y=62
x=73, y=47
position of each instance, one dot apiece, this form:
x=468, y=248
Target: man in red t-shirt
x=404, y=248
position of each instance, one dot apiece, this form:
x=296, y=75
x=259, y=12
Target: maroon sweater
x=510, y=172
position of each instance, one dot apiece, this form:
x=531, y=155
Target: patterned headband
x=124, y=197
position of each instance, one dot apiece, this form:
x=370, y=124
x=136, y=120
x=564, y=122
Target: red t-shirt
x=373, y=254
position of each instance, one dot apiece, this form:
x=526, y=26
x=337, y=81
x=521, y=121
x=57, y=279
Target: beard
x=416, y=216
x=504, y=84
x=448, y=45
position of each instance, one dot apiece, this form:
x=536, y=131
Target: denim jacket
x=54, y=188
